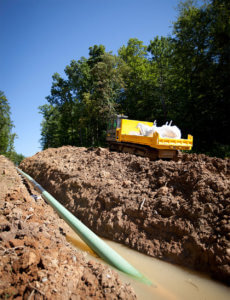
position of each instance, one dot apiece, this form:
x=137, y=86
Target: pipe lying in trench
x=89, y=237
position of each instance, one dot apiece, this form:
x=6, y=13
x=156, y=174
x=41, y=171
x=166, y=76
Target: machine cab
x=114, y=123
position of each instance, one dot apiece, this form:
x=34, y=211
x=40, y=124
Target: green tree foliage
x=6, y=136
x=16, y=157
x=161, y=65
x=79, y=106
x=201, y=56
x=6, y=125
x=184, y=78
x=136, y=73
x=50, y=134
x=102, y=101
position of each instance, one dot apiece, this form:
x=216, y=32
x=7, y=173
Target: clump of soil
x=36, y=260
x=176, y=211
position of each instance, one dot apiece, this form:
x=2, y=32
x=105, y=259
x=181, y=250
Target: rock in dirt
x=36, y=262
x=176, y=211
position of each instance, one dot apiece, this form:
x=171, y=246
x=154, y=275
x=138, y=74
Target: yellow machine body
x=157, y=142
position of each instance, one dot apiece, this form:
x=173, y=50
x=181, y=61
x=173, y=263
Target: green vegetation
x=16, y=157
x=184, y=78
x=6, y=136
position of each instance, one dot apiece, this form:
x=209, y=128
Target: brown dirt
x=176, y=211
x=36, y=260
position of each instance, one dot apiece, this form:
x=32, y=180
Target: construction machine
x=123, y=135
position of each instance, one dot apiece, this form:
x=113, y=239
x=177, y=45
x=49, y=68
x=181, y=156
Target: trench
x=172, y=282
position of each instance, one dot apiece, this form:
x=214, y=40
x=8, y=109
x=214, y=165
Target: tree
x=80, y=105
x=220, y=55
x=62, y=98
x=102, y=101
x=161, y=50
x=137, y=77
x=50, y=127
x=6, y=125
x=16, y=158
x=201, y=53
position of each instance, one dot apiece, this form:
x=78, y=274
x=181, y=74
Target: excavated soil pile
x=36, y=262
x=176, y=211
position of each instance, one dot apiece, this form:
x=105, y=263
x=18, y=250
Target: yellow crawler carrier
x=123, y=135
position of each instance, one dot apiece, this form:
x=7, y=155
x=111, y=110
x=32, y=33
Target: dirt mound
x=176, y=211
x=36, y=260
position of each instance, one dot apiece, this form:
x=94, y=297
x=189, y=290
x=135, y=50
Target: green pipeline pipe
x=89, y=237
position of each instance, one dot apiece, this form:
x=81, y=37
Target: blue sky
x=41, y=37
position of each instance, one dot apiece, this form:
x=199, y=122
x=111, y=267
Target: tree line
x=7, y=137
x=183, y=77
